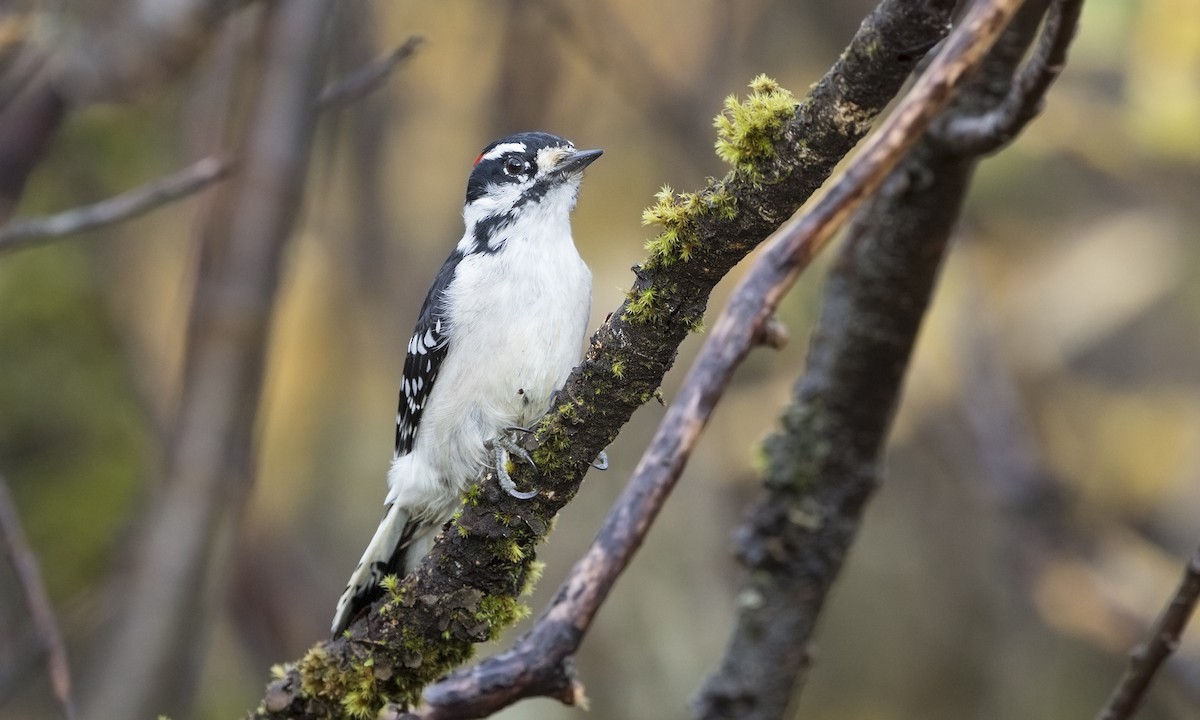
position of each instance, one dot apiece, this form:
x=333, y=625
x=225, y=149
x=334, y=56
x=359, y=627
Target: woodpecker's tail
x=385, y=554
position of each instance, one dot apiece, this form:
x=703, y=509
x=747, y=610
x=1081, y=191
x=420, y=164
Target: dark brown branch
x=438, y=608
x=824, y=462
x=367, y=79
x=131, y=204
x=539, y=662
x=986, y=132
x=37, y=600
x=1147, y=658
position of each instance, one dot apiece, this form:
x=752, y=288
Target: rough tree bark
x=824, y=462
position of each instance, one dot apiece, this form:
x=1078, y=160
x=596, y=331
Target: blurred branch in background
x=150, y=42
x=156, y=193
x=197, y=176
x=29, y=577
x=1147, y=658
x=365, y=80
x=165, y=613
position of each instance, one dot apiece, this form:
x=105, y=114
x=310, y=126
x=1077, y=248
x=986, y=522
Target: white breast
x=519, y=317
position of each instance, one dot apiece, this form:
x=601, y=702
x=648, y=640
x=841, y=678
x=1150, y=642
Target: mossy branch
x=466, y=591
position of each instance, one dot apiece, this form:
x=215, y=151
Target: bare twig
x=140, y=200
x=979, y=134
x=192, y=179
x=147, y=42
x=195, y=177
x=539, y=661
x=366, y=79
x=36, y=600
x=1147, y=658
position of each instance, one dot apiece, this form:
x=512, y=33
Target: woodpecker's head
x=531, y=174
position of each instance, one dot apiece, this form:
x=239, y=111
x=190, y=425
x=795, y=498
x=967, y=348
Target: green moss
x=723, y=202
x=354, y=688
x=471, y=496
x=391, y=584
x=501, y=611
x=618, y=368
x=678, y=215
x=747, y=130
x=534, y=574
x=643, y=307
x=510, y=550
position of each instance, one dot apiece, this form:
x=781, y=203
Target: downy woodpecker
x=499, y=332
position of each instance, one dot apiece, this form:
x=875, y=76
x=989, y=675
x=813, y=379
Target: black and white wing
x=426, y=350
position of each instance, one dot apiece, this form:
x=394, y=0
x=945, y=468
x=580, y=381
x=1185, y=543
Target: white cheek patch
x=548, y=158
x=496, y=198
x=500, y=149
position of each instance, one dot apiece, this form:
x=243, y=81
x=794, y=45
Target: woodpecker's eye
x=515, y=166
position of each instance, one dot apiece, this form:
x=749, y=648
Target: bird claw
x=504, y=448
x=601, y=461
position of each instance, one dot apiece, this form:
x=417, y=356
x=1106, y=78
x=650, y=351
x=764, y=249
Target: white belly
x=516, y=336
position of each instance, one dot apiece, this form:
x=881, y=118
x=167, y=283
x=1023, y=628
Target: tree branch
x=37, y=600
x=194, y=178
x=367, y=79
x=1147, y=658
x=824, y=462
x=156, y=193
x=140, y=48
x=430, y=622
x=986, y=132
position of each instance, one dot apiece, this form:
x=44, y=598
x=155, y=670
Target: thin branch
x=980, y=134
x=142, y=46
x=37, y=600
x=367, y=79
x=194, y=178
x=539, y=662
x=1147, y=658
x=156, y=193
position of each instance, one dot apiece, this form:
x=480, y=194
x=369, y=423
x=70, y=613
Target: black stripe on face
x=486, y=229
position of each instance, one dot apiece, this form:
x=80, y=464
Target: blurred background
x=1043, y=477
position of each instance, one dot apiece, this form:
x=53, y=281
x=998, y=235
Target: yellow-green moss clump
x=644, y=307
x=677, y=214
x=747, y=130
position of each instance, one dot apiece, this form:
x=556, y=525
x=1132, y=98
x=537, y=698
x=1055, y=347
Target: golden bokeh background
x=1062, y=353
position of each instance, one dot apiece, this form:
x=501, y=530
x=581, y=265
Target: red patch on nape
x=477, y=159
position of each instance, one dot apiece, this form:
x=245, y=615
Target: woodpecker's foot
x=601, y=461
x=504, y=448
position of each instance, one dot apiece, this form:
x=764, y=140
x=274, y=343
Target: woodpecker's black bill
x=576, y=163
